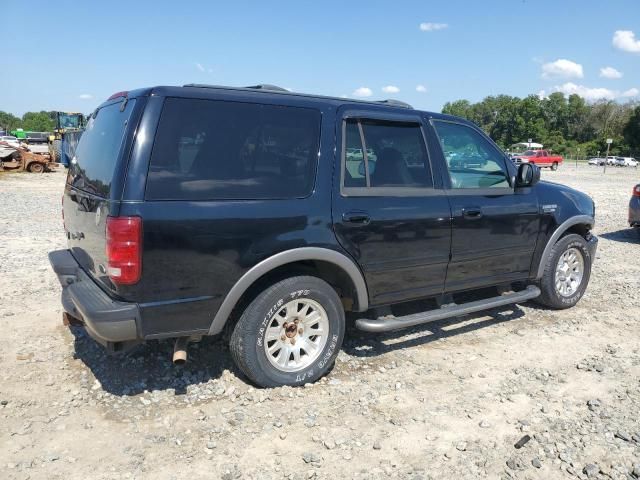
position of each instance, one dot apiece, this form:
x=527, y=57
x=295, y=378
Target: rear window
x=216, y=150
x=99, y=148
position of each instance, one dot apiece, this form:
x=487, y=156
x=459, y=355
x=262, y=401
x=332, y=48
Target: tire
x=273, y=309
x=56, y=150
x=554, y=166
x=551, y=295
x=35, y=167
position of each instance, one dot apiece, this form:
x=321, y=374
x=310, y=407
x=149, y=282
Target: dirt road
x=448, y=400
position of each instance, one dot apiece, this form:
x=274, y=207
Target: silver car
x=626, y=162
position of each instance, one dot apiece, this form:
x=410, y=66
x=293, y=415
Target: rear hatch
x=90, y=196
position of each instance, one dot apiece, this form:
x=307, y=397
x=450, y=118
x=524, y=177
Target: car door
x=543, y=158
x=494, y=226
x=387, y=211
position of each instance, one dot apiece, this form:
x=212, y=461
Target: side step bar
x=386, y=324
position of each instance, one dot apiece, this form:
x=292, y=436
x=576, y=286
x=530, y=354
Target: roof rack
x=395, y=103
x=266, y=86
x=262, y=86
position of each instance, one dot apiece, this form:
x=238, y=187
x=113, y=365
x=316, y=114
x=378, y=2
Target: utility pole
x=577, y=155
x=606, y=159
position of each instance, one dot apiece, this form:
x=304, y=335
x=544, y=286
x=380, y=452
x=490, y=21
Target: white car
x=11, y=140
x=626, y=162
x=611, y=160
x=596, y=161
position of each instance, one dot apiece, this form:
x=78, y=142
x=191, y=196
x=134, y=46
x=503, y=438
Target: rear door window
x=216, y=150
x=97, y=153
x=382, y=154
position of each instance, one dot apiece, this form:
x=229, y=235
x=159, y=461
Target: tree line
x=30, y=121
x=563, y=124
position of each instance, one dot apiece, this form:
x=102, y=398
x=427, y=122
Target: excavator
x=65, y=137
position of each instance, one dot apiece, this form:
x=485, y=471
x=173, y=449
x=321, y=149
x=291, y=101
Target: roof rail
x=262, y=86
x=201, y=85
x=395, y=103
x=266, y=86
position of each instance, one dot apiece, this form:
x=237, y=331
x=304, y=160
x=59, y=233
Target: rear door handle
x=472, y=213
x=356, y=218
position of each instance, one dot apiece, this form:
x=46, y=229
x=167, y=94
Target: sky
x=422, y=52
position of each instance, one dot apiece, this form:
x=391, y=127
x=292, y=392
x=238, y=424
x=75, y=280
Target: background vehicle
x=626, y=162
x=6, y=150
x=611, y=160
x=596, y=161
x=20, y=158
x=235, y=209
x=634, y=207
x=19, y=133
x=541, y=158
x=66, y=134
x=10, y=140
x=37, y=137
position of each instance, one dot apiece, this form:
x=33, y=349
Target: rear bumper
x=634, y=211
x=108, y=321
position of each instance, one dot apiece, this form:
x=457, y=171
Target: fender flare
x=289, y=256
x=564, y=226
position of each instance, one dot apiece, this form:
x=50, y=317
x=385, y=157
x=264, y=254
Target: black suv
x=194, y=210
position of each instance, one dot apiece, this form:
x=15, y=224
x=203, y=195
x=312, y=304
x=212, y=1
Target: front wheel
x=290, y=334
x=566, y=273
x=554, y=166
x=55, y=150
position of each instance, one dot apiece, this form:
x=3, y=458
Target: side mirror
x=528, y=175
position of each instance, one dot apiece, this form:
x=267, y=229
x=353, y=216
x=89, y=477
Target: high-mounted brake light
x=636, y=191
x=118, y=94
x=124, y=249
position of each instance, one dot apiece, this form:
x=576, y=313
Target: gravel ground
x=518, y=392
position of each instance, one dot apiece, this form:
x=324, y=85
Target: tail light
x=124, y=249
x=636, y=191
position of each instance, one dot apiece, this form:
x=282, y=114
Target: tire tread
x=246, y=325
x=548, y=296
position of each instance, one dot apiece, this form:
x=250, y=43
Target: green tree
x=459, y=108
x=631, y=131
x=37, y=122
x=9, y=122
x=562, y=124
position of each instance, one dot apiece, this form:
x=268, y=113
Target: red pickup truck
x=541, y=158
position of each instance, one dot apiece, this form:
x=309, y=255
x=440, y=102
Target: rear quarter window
x=218, y=150
x=98, y=150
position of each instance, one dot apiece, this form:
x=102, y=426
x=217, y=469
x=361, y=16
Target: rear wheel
x=35, y=167
x=566, y=273
x=290, y=334
x=554, y=166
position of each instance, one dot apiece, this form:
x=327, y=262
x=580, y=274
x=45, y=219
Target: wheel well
x=581, y=229
x=335, y=276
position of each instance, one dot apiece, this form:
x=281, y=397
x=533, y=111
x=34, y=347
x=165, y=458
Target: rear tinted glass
x=99, y=148
x=213, y=150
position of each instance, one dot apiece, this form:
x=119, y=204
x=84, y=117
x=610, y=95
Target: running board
x=388, y=323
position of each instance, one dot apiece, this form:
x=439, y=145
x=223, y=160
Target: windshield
x=528, y=153
x=70, y=120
